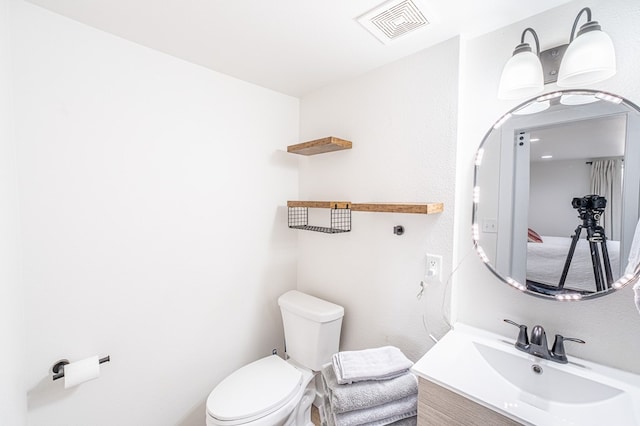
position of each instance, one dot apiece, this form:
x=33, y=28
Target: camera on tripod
x=589, y=206
x=590, y=209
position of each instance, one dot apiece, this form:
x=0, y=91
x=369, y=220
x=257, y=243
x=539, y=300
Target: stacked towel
x=382, y=363
x=345, y=398
x=370, y=387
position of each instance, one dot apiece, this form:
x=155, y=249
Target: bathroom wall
x=401, y=119
x=552, y=186
x=154, y=229
x=12, y=396
x=153, y=196
x=610, y=325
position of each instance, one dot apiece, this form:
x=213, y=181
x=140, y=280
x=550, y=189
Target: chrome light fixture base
x=551, y=60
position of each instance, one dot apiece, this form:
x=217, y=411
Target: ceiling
x=602, y=137
x=290, y=46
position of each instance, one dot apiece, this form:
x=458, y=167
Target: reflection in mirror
x=556, y=194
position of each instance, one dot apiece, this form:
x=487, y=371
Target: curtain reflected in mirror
x=606, y=181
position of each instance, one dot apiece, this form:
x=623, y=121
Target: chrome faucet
x=557, y=351
x=538, y=345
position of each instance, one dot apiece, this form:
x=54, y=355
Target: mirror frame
x=621, y=282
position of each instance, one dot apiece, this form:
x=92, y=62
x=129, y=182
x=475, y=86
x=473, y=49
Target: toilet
x=275, y=392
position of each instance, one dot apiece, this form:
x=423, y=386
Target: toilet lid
x=254, y=390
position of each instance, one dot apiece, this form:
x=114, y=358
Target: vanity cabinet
x=442, y=407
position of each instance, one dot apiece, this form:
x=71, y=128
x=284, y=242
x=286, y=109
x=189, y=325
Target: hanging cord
x=445, y=289
x=421, y=292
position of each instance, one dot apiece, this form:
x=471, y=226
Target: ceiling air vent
x=393, y=19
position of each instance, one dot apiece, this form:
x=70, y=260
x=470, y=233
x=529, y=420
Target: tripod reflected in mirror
x=590, y=209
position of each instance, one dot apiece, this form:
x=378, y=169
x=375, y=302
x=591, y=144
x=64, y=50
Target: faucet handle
x=557, y=351
x=523, y=337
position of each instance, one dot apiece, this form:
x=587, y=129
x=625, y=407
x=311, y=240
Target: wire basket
x=340, y=220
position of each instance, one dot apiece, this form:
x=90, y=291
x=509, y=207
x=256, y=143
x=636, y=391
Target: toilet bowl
x=275, y=392
x=267, y=392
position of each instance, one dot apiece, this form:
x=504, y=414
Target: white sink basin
x=488, y=369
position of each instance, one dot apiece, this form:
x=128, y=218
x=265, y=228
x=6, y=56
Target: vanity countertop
x=486, y=368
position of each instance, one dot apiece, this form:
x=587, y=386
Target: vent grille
x=393, y=19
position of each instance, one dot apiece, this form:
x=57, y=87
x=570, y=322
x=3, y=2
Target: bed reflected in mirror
x=556, y=194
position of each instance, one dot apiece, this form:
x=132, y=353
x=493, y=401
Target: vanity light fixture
x=482, y=254
x=522, y=74
x=502, y=120
x=549, y=96
x=475, y=232
x=609, y=98
x=568, y=296
x=624, y=280
x=516, y=284
x=588, y=58
x=479, y=156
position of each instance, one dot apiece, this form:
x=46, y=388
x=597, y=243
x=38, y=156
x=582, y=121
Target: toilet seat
x=254, y=391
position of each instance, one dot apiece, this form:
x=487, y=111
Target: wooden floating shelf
x=320, y=146
x=320, y=204
x=418, y=208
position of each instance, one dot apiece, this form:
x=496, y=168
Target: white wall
x=153, y=200
x=401, y=119
x=609, y=324
x=12, y=395
x=553, y=185
x=152, y=195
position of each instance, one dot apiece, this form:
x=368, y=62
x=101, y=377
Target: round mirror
x=556, y=195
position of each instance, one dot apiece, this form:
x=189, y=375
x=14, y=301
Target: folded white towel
x=366, y=394
x=380, y=415
x=382, y=363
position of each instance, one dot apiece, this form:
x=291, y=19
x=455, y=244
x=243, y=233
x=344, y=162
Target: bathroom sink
x=545, y=383
x=489, y=370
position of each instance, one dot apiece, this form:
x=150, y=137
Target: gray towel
x=366, y=394
x=409, y=421
x=370, y=364
x=380, y=415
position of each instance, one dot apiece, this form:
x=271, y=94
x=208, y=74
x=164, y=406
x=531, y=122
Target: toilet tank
x=311, y=328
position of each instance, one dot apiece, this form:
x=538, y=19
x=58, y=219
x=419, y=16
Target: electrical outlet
x=434, y=268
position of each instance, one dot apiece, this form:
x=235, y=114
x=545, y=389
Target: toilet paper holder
x=58, y=367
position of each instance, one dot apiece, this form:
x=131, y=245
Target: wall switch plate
x=490, y=226
x=434, y=268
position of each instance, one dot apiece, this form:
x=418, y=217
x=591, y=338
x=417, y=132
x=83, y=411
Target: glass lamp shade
x=590, y=58
x=521, y=77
